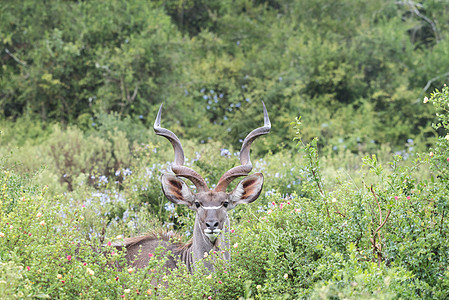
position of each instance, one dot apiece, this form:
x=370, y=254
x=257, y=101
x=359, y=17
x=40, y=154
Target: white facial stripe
x=212, y=207
x=215, y=231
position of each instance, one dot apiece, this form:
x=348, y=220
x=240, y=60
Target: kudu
x=211, y=206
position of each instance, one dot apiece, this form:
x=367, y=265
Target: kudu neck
x=201, y=244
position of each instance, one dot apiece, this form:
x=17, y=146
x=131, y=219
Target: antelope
x=211, y=226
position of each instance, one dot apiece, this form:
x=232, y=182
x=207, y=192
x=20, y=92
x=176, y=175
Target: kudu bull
x=211, y=206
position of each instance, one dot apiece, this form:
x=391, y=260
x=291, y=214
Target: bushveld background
x=356, y=196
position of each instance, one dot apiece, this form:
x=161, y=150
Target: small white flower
x=225, y=152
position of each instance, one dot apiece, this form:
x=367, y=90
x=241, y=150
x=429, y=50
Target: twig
x=133, y=97
x=19, y=62
x=340, y=213
x=321, y=192
x=377, y=247
x=414, y=9
x=369, y=203
x=16, y=58
x=383, y=223
x=378, y=204
x=432, y=80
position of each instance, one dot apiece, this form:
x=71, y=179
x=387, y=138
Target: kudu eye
x=225, y=204
x=197, y=204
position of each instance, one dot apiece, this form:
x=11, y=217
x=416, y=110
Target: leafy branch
x=311, y=154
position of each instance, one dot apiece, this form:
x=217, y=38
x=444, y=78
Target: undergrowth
x=375, y=231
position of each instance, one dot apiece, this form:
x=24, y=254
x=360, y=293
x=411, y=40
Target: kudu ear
x=248, y=190
x=176, y=190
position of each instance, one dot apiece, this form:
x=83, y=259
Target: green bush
x=379, y=230
x=69, y=62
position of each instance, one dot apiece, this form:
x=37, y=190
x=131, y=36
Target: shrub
x=74, y=156
x=379, y=233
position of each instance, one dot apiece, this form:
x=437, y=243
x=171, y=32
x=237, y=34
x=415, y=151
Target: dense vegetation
x=80, y=85
x=339, y=65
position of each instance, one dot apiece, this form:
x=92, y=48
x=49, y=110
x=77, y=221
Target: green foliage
x=283, y=246
x=359, y=279
x=75, y=156
x=81, y=82
x=68, y=59
x=440, y=153
x=379, y=231
x=340, y=65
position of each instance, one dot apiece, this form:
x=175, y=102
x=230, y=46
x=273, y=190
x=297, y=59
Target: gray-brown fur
x=211, y=229
x=139, y=248
x=210, y=232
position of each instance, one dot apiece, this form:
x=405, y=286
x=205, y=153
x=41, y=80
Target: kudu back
x=211, y=206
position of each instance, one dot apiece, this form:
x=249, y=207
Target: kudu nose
x=211, y=225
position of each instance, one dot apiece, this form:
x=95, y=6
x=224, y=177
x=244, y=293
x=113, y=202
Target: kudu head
x=211, y=206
